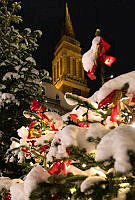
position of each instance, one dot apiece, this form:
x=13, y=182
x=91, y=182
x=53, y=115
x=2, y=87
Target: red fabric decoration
x=43, y=116
x=133, y=99
x=25, y=151
x=104, y=46
x=74, y=117
x=44, y=148
x=7, y=196
x=107, y=99
x=83, y=124
x=53, y=128
x=35, y=105
x=114, y=113
x=59, y=166
x=65, y=165
x=56, y=168
x=32, y=124
x=69, y=152
x=108, y=60
x=32, y=130
x=90, y=74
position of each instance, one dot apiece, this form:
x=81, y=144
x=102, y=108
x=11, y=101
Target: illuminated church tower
x=67, y=70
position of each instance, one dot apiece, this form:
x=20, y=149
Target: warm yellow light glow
x=123, y=185
x=118, y=117
x=83, y=165
x=72, y=190
x=80, y=118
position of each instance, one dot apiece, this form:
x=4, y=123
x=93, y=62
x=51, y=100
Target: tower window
x=76, y=91
x=57, y=97
x=74, y=67
x=68, y=65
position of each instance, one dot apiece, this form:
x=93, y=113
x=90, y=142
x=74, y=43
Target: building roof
x=53, y=94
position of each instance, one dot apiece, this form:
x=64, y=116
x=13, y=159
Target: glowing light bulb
x=72, y=190
x=118, y=117
x=80, y=118
x=83, y=165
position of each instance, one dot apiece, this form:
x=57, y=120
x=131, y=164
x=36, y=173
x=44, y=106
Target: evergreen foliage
x=19, y=80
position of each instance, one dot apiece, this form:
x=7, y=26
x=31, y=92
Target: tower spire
x=69, y=31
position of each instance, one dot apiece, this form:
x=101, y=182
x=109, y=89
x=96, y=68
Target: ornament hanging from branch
x=95, y=55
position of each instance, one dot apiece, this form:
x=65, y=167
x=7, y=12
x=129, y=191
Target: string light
x=111, y=76
x=84, y=165
x=72, y=190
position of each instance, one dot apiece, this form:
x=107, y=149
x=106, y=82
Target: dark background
x=115, y=19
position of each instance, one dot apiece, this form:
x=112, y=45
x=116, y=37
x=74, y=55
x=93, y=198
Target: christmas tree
x=87, y=154
x=20, y=80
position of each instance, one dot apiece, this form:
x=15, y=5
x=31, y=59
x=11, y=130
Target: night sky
x=115, y=19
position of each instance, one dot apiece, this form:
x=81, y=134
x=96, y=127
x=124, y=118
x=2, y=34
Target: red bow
x=43, y=148
x=114, y=113
x=107, y=60
x=74, y=117
x=59, y=166
x=107, y=99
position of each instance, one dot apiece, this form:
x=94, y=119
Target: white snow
x=10, y=75
x=31, y=59
x=88, y=182
x=23, y=132
x=17, y=189
x=116, y=144
x=56, y=119
x=28, y=30
x=97, y=130
x=89, y=58
x=39, y=32
x=5, y=182
x=7, y=98
x=116, y=83
x=70, y=135
x=36, y=175
x=21, y=190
